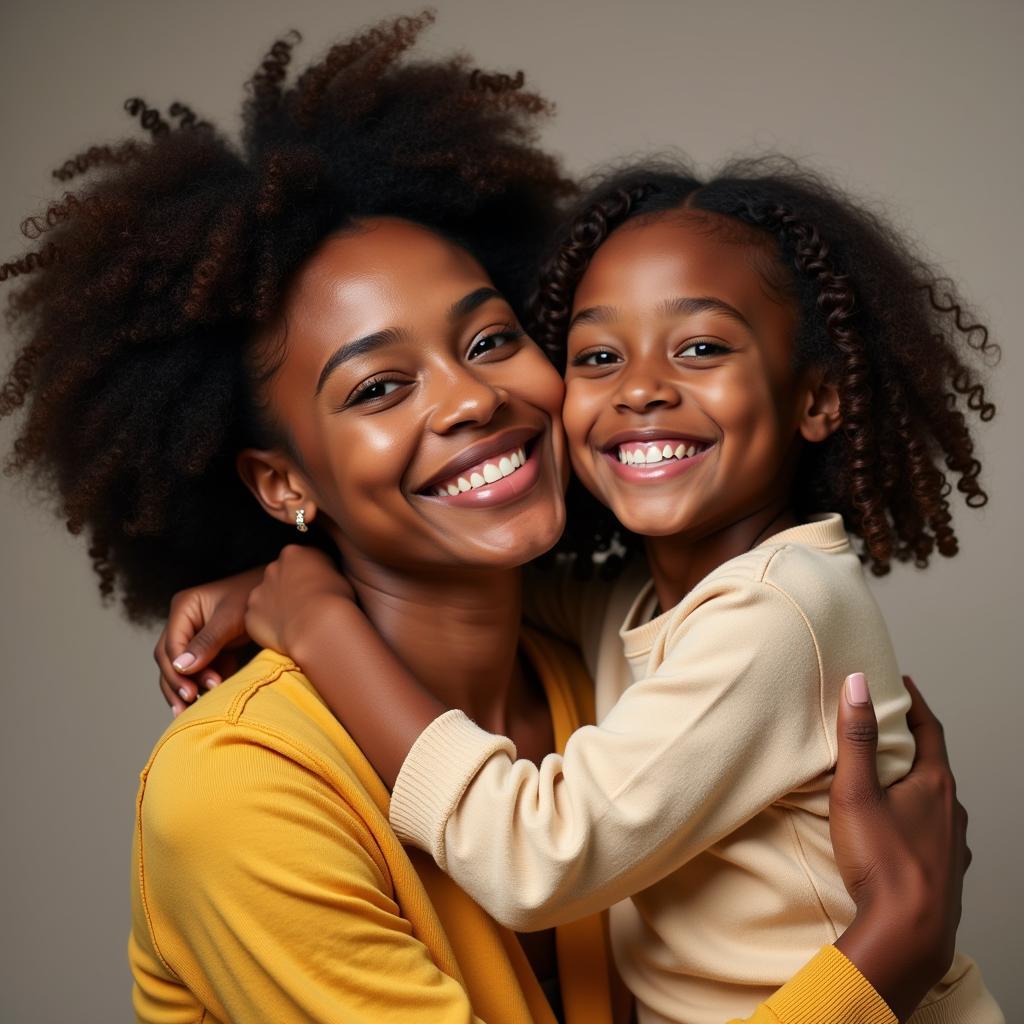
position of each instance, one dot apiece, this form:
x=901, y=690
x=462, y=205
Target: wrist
x=332, y=613
x=888, y=945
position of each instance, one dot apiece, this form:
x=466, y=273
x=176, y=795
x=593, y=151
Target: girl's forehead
x=674, y=254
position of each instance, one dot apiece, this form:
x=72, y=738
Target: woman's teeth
x=634, y=454
x=483, y=474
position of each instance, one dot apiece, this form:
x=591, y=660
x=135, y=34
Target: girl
x=744, y=357
x=201, y=329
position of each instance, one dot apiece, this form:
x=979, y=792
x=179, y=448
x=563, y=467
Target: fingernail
x=857, y=689
x=184, y=694
x=175, y=712
x=210, y=682
x=183, y=661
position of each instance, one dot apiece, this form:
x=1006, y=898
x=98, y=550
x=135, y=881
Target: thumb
x=856, y=776
x=208, y=642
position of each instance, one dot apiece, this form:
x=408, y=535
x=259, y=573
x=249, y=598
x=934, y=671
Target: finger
x=856, y=775
x=177, y=705
x=208, y=640
x=925, y=727
x=185, y=623
x=182, y=687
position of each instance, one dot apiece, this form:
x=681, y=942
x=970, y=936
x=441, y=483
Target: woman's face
x=426, y=422
x=682, y=410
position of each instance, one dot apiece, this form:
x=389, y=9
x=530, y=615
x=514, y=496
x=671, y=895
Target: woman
x=201, y=308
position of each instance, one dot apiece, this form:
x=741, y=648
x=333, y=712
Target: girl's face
x=682, y=408
x=425, y=421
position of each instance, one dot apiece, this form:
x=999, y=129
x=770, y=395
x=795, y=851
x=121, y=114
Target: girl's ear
x=277, y=484
x=821, y=415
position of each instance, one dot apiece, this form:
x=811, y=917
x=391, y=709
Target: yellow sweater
x=268, y=886
x=702, y=794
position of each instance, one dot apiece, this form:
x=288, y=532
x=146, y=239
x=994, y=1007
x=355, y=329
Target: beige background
x=917, y=103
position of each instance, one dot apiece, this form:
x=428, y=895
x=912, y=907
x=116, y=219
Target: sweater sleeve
x=828, y=988
x=261, y=895
x=729, y=722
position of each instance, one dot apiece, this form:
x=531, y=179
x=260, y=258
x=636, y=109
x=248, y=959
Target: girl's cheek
x=578, y=418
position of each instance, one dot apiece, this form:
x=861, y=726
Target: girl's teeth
x=490, y=472
x=642, y=457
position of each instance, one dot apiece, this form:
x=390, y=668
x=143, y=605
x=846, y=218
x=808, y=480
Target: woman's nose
x=465, y=400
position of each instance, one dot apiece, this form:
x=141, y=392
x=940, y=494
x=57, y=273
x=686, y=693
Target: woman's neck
x=458, y=635
x=679, y=562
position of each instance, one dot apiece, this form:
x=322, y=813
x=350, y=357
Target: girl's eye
x=703, y=350
x=375, y=388
x=597, y=357
x=495, y=340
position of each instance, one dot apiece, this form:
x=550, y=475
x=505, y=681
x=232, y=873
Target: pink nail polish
x=857, y=689
x=184, y=694
x=183, y=661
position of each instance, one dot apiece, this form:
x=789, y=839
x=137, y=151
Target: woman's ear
x=821, y=415
x=277, y=484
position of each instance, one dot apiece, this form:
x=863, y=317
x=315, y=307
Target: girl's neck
x=457, y=633
x=679, y=562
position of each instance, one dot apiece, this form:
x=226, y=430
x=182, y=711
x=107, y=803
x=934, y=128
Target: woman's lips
x=493, y=481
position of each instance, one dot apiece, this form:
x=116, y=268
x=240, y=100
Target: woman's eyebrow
x=351, y=349
x=472, y=301
x=359, y=347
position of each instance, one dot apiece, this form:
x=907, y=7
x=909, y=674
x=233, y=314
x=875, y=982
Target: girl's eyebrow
x=670, y=307
x=704, y=304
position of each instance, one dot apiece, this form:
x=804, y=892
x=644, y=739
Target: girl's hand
x=902, y=852
x=300, y=586
x=204, y=630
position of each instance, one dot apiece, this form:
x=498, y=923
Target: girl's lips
x=498, y=492
x=653, y=472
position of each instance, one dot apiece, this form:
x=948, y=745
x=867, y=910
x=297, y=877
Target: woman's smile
x=434, y=434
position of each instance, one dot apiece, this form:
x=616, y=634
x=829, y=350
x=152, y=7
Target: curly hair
x=890, y=331
x=149, y=283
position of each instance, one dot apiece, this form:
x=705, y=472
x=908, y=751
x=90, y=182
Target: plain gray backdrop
x=915, y=104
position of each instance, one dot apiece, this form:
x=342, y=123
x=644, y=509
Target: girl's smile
x=683, y=408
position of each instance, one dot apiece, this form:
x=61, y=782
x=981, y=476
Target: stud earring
x=300, y=520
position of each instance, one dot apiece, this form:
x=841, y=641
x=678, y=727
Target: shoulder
x=258, y=751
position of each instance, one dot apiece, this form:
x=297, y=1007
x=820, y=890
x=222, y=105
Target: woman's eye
x=597, y=357
x=495, y=340
x=374, y=389
x=703, y=350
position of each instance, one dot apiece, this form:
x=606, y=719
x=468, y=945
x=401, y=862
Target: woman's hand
x=204, y=630
x=902, y=852
x=296, y=589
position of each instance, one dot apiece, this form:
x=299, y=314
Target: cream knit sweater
x=698, y=807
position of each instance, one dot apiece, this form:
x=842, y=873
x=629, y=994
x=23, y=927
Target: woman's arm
x=902, y=853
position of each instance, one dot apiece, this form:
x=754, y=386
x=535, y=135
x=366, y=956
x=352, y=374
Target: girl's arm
x=902, y=851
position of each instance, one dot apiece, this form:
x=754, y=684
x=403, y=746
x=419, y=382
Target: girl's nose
x=643, y=391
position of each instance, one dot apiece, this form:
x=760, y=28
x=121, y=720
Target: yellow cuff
x=829, y=988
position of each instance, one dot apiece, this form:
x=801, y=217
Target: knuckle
x=861, y=732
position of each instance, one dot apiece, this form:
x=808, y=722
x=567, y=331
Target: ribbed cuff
x=829, y=988
x=441, y=765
